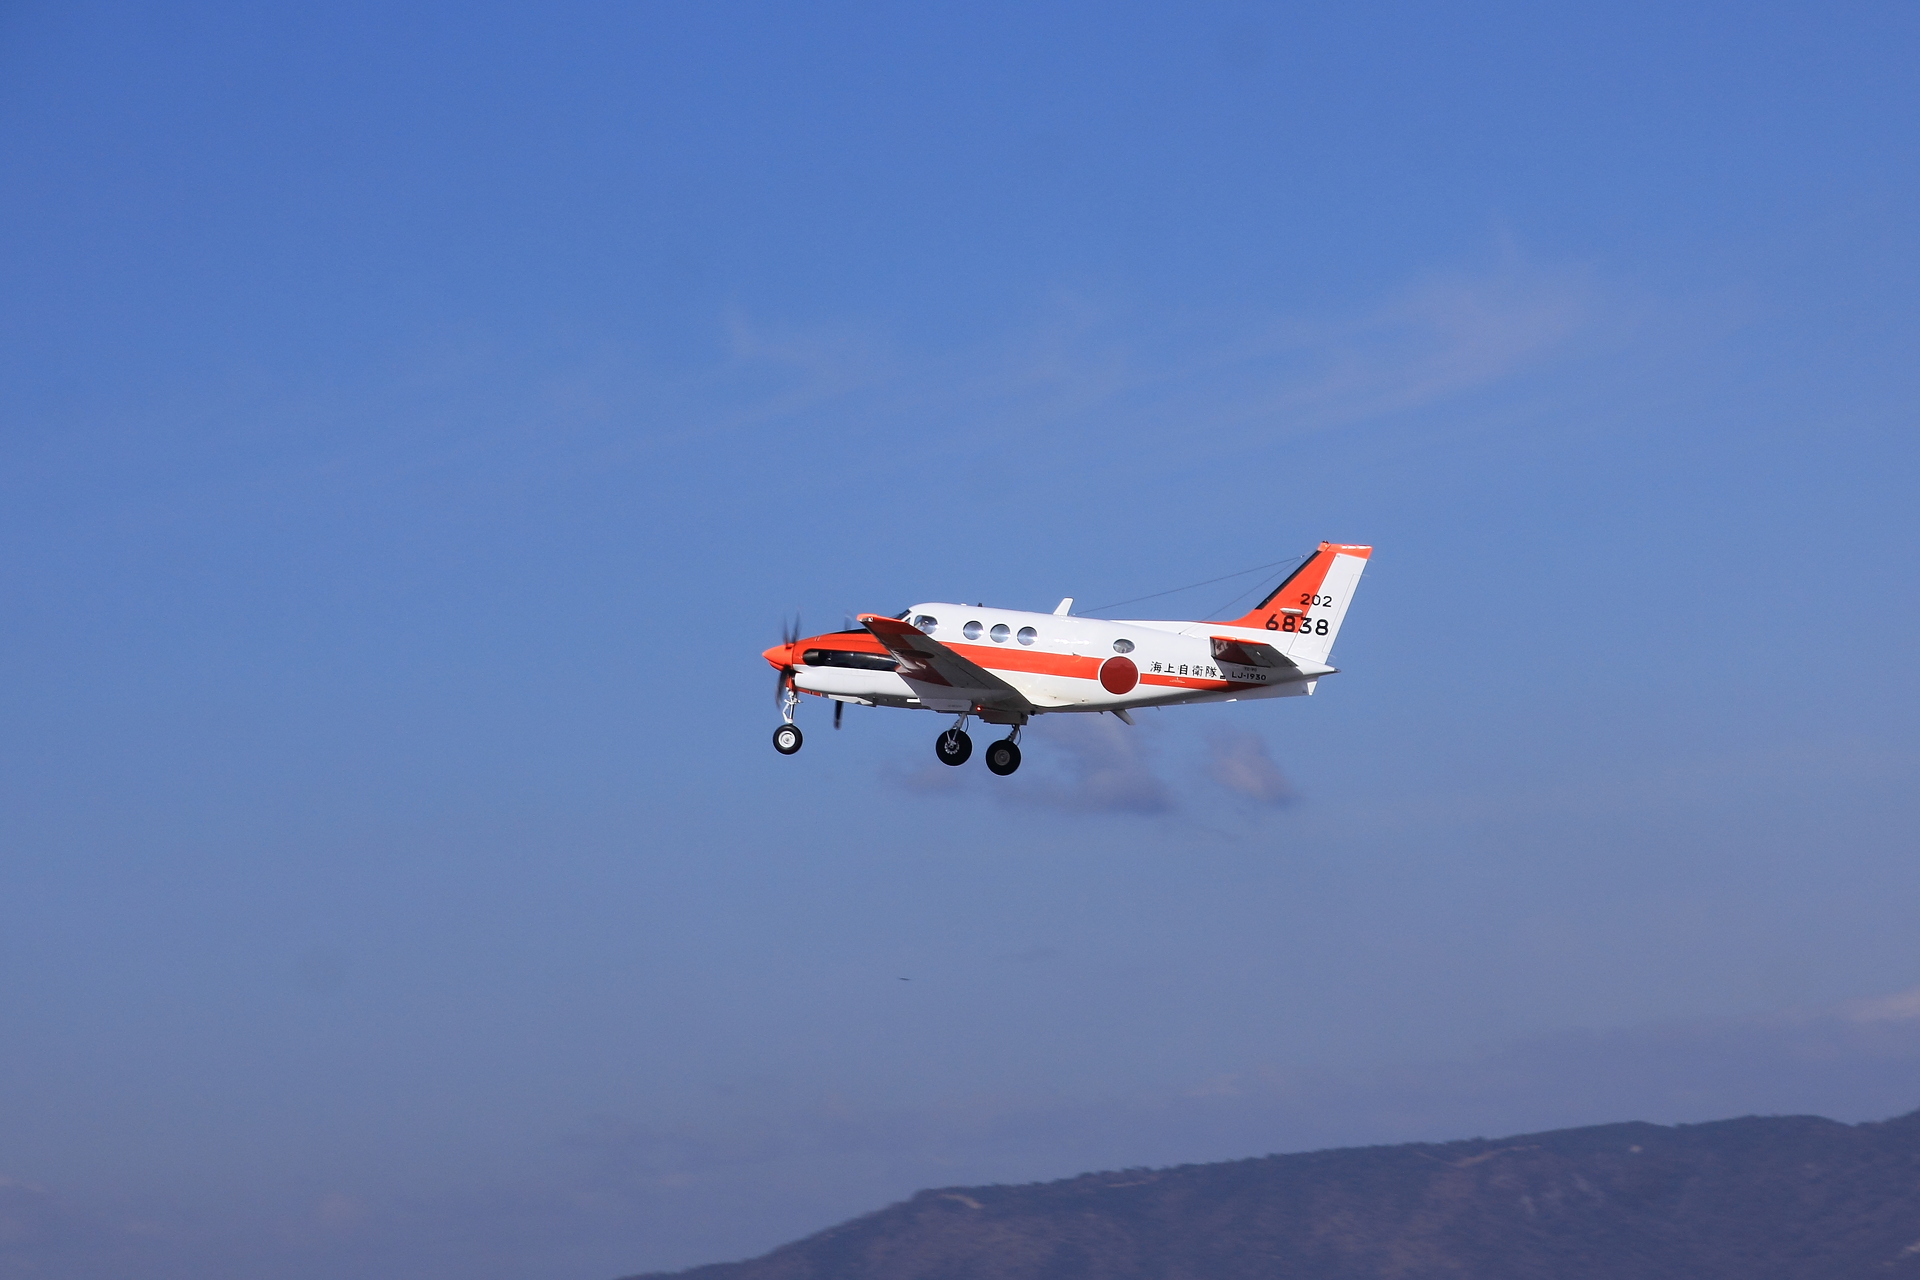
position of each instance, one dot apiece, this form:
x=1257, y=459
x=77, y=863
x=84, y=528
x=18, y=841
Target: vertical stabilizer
x=1306, y=610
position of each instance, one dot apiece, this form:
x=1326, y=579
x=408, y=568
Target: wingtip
x=880, y=622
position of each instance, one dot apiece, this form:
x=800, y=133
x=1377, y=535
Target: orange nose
x=781, y=655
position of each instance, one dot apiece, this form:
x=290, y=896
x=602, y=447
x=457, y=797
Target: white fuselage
x=1057, y=662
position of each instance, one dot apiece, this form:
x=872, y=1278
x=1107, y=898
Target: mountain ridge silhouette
x=1758, y=1197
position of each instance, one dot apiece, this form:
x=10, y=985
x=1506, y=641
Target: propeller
x=783, y=678
x=838, y=707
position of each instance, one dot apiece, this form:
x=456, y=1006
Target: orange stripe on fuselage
x=993, y=658
x=1039, y=664
x=1079, y=668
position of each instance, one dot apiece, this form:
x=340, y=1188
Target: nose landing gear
x=787, y=739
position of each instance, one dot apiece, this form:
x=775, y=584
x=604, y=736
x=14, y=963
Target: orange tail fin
x=1308, y=607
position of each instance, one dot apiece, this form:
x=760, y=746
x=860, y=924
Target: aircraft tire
x=787, y=739
x=1003, y=757
x=953, y=747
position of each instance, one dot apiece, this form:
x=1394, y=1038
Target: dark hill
x=1757, y=1199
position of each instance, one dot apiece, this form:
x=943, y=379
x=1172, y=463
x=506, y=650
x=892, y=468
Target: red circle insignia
x=1119, y=675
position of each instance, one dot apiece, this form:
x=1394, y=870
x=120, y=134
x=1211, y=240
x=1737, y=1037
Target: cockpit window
x=1123, y=646
x=971, y=631
x=926, y=623
x=1027, y=635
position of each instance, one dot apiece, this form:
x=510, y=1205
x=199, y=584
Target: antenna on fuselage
x=1060, y=610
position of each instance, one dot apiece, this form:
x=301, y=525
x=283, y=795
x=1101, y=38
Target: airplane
x=1003, y=667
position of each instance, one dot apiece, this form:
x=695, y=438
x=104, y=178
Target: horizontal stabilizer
x=1249, y=653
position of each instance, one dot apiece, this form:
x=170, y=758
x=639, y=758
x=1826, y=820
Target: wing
x=925, y=661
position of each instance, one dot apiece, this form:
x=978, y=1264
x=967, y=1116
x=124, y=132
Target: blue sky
x=413, y=425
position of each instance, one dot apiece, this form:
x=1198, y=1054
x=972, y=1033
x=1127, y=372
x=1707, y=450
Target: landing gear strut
x=787, y=739
x=954, y=746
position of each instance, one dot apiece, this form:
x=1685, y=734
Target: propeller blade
x=838, y=707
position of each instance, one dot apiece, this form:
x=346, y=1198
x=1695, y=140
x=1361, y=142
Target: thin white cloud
x=1077, y=385
x=1903, y=1006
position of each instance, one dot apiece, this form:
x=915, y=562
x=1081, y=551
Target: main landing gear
x=787, y=739
x=955, y=747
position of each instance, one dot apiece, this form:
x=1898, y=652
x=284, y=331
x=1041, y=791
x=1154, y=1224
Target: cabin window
x=971, y=631
x=849, y=659
x=1000, y=632
x=1028, y=635
x=926, y=623
x=1123, y=646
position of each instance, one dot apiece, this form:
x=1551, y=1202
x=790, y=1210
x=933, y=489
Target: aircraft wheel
x=786, y=739
x=1003, y=757
x=953, y=747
